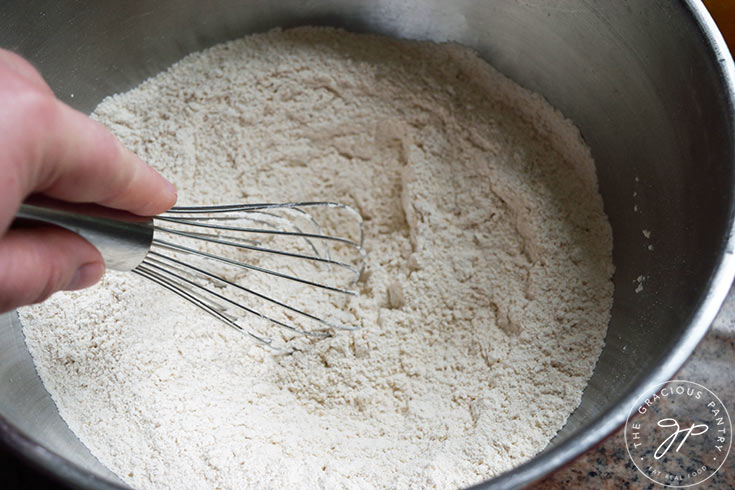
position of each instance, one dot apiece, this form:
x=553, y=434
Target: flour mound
x=484, y=304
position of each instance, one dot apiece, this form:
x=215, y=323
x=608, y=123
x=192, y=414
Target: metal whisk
x=208, y=255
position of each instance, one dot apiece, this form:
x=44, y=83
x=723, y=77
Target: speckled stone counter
x=608, y=466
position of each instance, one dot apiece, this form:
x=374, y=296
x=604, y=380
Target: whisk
x=207, y=255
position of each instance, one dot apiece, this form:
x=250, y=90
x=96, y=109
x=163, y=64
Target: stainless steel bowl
x=649, y=83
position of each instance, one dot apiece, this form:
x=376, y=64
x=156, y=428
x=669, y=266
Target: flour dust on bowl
x=452, y=173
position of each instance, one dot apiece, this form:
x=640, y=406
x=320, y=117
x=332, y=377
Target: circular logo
x=680, y=436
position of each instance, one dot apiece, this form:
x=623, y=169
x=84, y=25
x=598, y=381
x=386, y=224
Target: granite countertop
x=607, y=466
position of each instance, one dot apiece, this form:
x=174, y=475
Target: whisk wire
x=181, y=266
x=254, y=248
x=270, y=206
x=181, y=248
x=147, y=264
x=151, y=276
x=193, y=221
x=235, y=227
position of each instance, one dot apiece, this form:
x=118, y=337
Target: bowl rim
x=51, y=464
x=552, y=459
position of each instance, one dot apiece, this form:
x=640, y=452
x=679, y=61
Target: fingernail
x=86, y=275
x=172, y=190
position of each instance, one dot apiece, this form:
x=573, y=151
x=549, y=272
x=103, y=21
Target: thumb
x=37, y=262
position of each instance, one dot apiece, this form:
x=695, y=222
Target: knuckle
x=106, y=152
x=122, y=179
x=14, y=63
x=107, y=149
x=38, y=110
x=27, y=107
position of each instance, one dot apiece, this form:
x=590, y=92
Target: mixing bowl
x=649, y=84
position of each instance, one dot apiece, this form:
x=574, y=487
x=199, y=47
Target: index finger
x=60, y=152
x=84, y=162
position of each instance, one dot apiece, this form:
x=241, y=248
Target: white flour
x=484, y=307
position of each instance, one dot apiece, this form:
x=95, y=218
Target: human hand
x=51, y=149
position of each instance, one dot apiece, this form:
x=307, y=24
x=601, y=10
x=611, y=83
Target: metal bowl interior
x=649, y=84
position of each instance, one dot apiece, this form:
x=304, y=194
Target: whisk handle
x=123, y=240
